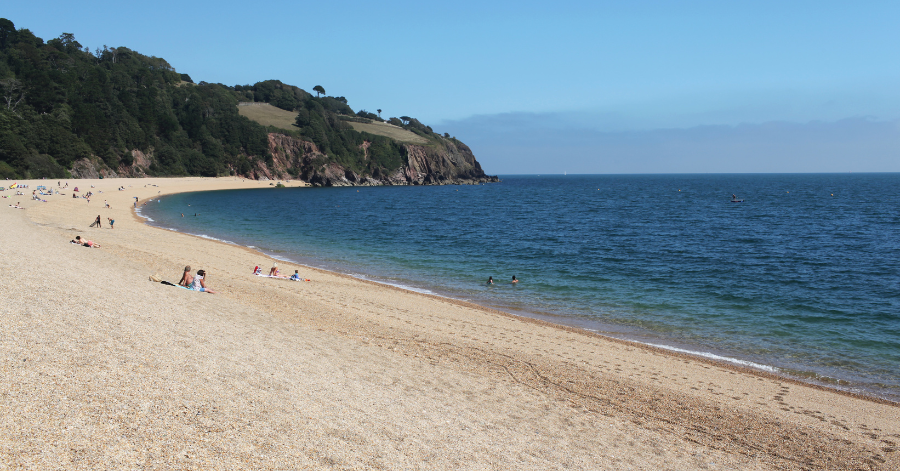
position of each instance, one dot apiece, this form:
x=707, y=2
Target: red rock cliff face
x=450, y=163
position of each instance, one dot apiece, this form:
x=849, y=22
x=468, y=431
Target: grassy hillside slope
x=268, y=115
x=389, y=130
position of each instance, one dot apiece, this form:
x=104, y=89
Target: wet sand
x=102, y=368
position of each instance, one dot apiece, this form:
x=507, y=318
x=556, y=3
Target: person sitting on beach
x=198, y=284
x=186, y=278
x=257, y=270
x=296, y=276
x=274, y=270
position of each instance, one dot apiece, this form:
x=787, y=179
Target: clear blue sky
x=596, y=87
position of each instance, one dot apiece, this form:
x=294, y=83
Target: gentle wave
x=396, y=285
x=713, y=356
x=209, y=237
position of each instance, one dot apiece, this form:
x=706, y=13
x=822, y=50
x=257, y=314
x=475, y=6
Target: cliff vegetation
x=67, y=111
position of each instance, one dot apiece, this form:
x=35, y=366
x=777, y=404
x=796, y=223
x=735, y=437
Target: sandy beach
x=104, y=369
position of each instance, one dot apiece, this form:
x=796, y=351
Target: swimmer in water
x=514, y=280
x=490, y=280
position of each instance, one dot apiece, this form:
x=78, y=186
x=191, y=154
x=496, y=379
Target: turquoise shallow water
x=802, y=276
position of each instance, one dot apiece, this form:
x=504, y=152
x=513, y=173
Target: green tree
x=59, y=104
x=7, y=33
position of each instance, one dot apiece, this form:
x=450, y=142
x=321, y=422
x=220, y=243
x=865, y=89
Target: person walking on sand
x=186, y=278
x=199, y=284
x=97, y=222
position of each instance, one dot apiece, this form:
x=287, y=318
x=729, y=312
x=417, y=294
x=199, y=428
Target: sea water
x=801, y=277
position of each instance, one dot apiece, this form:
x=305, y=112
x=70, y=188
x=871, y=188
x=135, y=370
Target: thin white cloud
x=537, y=143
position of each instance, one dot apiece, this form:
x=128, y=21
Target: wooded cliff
x=68, y=111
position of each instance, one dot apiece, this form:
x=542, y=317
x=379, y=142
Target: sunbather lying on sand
x=274, y=272
x=85, y=242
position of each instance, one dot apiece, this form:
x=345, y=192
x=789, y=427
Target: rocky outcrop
x=448, y=162
x=454, y=163
x=138, y=168
x=444, y=162
x=91, y=168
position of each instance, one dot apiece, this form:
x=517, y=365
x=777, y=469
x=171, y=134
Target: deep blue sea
x=802, y=277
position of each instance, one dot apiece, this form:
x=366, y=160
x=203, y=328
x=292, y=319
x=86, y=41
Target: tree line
x=61, y=102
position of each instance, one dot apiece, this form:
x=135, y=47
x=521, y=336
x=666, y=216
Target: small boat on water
x=737, y=201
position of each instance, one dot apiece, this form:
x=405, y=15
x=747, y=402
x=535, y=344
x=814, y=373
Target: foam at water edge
x=204, y=236
x=397, y=285
x=713, y=356
x=148, y=218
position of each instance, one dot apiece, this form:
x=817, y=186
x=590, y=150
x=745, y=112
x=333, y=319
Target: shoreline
x=667, y=346
x=343, y=371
